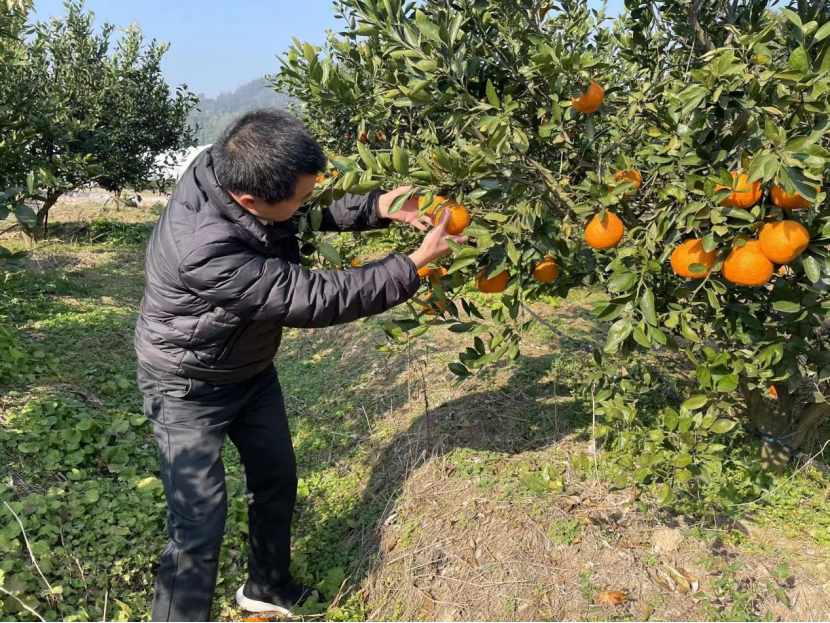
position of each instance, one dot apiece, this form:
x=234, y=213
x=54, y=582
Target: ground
x=421, y=498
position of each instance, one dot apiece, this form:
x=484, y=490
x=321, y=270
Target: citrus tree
x=674, y=155
x=90, y=111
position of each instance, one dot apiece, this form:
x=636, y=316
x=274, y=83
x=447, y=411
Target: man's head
x=268, y=162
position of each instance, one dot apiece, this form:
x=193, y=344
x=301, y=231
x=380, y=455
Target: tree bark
x=31, y=235
x=769, y=422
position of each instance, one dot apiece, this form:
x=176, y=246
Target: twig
x=5, y=231
x=22, y=605
x=29, y=547
x=104, y=616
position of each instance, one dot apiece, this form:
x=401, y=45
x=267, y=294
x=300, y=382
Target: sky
x=219, y=45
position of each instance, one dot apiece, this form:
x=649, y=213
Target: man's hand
x=407, y=214
x=435, y=243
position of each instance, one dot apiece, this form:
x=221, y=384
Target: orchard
x=674, y=157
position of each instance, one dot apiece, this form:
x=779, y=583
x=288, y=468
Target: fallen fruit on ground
x=744, y=195
x=611, y=598
x=783, y=241
x=781, y=199
x=492, y=285
x=546, y=271
x=605, y=233
x=356, y=262
x=747, y=265
x=692, y=252
x=590, y=100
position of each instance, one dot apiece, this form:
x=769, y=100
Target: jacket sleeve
x=252, y=286
x=354, y=213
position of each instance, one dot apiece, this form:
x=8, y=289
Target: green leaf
x=92, y=495
x=25, y=214
x=647, y=307
x=799, y=61
x=400, y=160
x=491, y=95
x=764, y=167
x=788, y=307
x=723, y=426
x=30, y=182
x=367, y=156
x=793, y=17
x=665, y=495
x=695, y=402
x=459, y=369
x=822, y=32
x=330, y=253
x=345, y=165
x=728, y=383
x=618, y=333
x=812, y=267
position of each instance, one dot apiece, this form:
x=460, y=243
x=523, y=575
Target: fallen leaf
x=611, y=598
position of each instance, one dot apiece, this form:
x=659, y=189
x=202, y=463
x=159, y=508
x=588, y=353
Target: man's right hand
x=435, y=243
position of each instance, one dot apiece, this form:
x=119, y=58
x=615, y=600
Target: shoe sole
x=252, y=605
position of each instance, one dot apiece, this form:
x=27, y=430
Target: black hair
x=264, y=153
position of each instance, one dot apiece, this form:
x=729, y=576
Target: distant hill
x=214, y=114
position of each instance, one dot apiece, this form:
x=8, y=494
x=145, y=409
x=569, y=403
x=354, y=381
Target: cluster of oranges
x=753, y=263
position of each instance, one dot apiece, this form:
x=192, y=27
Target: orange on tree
x=459, y=216
x=629, y=175
x=747, y=265
x=434, y=306
x=783, y=241
x=321, y=178
x=363, y=138
x=692, y=252
x=590, y=100
x=605, y=233
x=546, y=271
x=773, y=392
x=781, y=199
x=491, y=285
x=744, y=195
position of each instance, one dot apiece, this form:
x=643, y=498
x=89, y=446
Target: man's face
x=283, y=210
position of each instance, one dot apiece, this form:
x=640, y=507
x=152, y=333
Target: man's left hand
x=407, y=214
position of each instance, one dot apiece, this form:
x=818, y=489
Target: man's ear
x=246, y=201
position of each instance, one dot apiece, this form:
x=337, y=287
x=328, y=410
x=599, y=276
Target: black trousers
x=191, y=420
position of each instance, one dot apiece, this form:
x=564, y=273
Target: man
x=223, y=279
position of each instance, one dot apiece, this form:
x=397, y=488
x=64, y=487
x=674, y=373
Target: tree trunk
x=31, y=235
x=770, y=422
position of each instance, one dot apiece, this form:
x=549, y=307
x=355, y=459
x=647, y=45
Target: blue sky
x=218, y=45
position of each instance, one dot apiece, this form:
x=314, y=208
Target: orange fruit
x=434, y=305
x=363, y=138
x=256, y=620
x=491, y=285
x=781, y=199
x=629, y=175
x=773, y=392
x=783, y=241
x=434, y=274
x=356, y=262
x=546, y=271
x=321, y=178
x=335, y=172
x=590, y=100
x=747, y=266
x=459, y=219
x=605, y=233
x=691, y=252
x=436, y=201
x=745, y=194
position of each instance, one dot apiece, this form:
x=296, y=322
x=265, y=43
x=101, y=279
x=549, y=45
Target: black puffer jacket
x=221, y=285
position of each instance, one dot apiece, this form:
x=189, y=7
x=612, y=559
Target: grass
x=496, y=463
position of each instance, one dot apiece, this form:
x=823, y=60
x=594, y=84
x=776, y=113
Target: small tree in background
x=98, y=113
